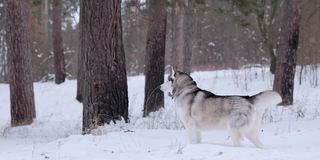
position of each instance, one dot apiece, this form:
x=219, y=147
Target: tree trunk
x=3, y=54
x=138, y=15
x=80, y=76
x=45, y=19
x=19, y=63
x=188, y=33
x=155, y=53
x=59, y=64
x=287, y=54
x=178, y=34
x=273, y=62
x=182, y=35
x=265, y=14
x=105, y=94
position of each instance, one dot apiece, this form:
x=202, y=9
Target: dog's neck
x=177, y=91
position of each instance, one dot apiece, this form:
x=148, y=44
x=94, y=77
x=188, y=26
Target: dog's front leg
x=194, y=134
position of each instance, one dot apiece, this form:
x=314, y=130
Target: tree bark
x=178, y=34
x=188, y=33
x=105, y=94
x=287, y=54
x=19, y=63
x=182, y=35
x=80, y=74
x=265, y=11
x=273, y=62
x=45, y=19
x=155, y=53
x=59, y=64
x=3, y=52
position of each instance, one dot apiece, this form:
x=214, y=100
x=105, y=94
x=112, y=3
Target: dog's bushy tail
x=266, y=99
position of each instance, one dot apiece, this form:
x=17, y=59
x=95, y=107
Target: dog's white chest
x=184, y=113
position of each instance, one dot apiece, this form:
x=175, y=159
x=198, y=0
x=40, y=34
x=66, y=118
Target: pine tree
x=155, y=52
x=105, y=92
x=59, y=64
x=287, y=54
x=182, y=30
x=19, y=63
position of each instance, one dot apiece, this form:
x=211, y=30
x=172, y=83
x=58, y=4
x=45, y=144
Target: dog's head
x=167, y=87
x=176, y=81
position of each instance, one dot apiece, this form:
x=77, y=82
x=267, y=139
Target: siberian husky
x=202, y=110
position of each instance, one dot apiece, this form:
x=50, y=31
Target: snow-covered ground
x=287, y=133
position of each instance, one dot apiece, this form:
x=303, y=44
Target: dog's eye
x=170, y=79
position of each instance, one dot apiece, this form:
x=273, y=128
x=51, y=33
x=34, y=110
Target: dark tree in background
x=217, y=44
x=44, y=5
x=19, y=63
x=80, y=74
x=155, y=53
x=3, y=51
x=182, y=30
x=178, y=14
x=266, y=13
x=287, y=54
x=188, y=35
x=59, y=64
x=105, y=94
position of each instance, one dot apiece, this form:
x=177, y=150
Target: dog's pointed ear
x=172, y=71
x=174, y=68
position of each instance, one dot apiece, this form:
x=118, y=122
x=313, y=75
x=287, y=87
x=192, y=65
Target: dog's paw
x=259, y=146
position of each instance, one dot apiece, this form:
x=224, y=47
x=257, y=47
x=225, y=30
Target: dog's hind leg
x=254, y=138
x=238, y=120
x=253, y=135
x=236, y=137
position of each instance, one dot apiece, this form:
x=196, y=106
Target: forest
x=84, y=79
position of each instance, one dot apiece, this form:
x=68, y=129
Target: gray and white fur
x=202, y=110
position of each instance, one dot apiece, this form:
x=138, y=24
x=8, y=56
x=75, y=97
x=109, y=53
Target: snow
x=287, y=133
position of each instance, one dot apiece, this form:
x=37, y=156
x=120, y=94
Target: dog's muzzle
x=166, y=88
